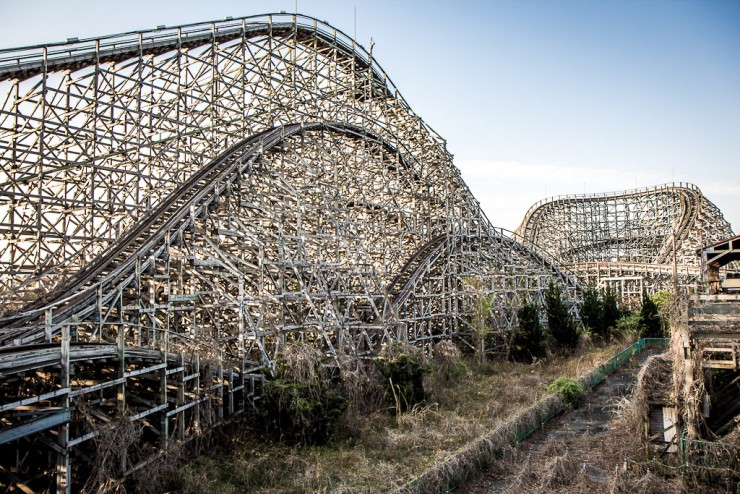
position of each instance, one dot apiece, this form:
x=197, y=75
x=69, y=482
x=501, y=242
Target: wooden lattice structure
x=178, y=205
x=644, y=239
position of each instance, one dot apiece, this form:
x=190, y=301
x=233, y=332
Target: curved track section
x=97, y=133
x=505, y=272
x=178, y=206
x=627, y=239
x=113, y=270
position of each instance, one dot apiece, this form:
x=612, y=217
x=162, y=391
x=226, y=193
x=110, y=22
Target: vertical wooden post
x=164, y=423
x=675, y=264
x=196, y=421
x=181, y=400
x=47, y=324
x=121, y=350
x=231, y=392
x=220, y=389
x=63, y=474
x=99, y=311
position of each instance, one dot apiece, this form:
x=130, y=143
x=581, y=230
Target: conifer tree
x=650, y=325
x=560, y=323
x=528, y=340
x=592, y=312
x=611, y=310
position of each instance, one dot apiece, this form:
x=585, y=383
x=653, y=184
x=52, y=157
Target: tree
x=528, y=340
x=560, y=322
x=664, y=300
x=480, y=318
x=592, y=312
x=650, y=324
x=611, y=310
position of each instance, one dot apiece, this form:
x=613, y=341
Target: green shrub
x=528, y=340
x=404, y=374
x=301, y=412
x=629, y=323
x=570, y=389
x=299, y=404
x=664, y=300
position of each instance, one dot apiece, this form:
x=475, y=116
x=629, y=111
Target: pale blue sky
x=535, y=97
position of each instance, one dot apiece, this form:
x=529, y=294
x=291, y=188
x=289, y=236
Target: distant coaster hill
x=644, y=239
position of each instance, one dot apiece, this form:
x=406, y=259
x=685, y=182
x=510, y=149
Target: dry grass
x=587, y=464
x=113, y=446
x=377, y=453
x=616, y=463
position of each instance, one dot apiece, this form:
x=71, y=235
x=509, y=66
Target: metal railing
x=708, y=454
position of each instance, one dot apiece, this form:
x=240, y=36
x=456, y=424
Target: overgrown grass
x=376, y=452
x=617, y=463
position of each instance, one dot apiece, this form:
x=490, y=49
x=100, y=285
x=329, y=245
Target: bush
x=303, y=413
x=560, y=323
x=629, y=323
x=404, y=374
x=528, y=340
x=570, y=389
x=448, y=363
x=664, y=300
x=298, y=404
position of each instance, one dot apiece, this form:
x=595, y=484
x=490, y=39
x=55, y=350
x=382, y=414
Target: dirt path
x=590, y=418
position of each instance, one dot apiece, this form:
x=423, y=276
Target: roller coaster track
x=418, y=265
x=180, y=205
x=628, y=239
x=117, y=263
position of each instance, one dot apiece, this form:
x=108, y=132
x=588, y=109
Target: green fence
x=709, y=454
x=475, y=456
x=599, y=374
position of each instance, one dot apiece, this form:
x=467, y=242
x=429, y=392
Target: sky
x=535, y=98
